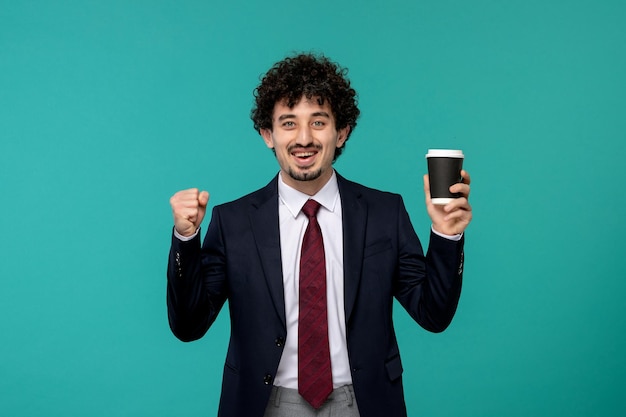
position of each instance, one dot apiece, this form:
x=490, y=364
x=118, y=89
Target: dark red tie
x=315, y=381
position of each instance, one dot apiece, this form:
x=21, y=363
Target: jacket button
x=280, y=341
x=267, y=380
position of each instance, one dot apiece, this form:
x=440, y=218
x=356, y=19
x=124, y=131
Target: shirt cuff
x=185, y=238
x=455, y=238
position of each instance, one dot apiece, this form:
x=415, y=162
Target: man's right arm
x=191, y=308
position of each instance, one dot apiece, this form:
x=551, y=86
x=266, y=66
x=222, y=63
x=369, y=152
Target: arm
x=429, y=288
x=195, y=282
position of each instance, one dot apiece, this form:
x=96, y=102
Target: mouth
x=304, y=157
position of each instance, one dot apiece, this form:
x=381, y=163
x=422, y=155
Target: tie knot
x=310, y=208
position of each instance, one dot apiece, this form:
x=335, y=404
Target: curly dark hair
x=306, y=75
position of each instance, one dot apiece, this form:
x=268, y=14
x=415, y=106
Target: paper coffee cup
x=444, y=170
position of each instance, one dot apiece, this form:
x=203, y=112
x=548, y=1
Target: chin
x=305, y=175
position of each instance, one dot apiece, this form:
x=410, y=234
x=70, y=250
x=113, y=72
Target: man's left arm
x=429, y=287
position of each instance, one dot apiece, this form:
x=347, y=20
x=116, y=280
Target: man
x=283, y=262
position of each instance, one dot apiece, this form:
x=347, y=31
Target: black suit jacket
x=240, y=261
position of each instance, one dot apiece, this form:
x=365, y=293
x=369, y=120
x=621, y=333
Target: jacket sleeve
x=428, y=287
x=196, y=283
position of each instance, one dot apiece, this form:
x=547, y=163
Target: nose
x=305, y=136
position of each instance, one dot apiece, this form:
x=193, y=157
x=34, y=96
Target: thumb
x=427, y=188
x=203, y=199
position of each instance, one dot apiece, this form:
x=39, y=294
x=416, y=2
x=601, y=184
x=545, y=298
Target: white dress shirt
x=293, y=224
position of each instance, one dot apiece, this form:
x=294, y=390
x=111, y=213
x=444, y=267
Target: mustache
x=301, y=148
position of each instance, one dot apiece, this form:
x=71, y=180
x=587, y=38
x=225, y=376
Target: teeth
x=304, y=154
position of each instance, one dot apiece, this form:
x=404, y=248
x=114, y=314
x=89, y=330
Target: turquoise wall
x=109, y=107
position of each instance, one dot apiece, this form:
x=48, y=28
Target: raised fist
x=189, y=208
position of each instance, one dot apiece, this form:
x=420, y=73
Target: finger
x=182, y=205
x=459, y=206
x=185, y=195
x=190, y=213
x=458, y=216
x=427, y=188
x=203, y=198
x=465, y=177
x=461, y=188
x=190, y=198
x=460, y=203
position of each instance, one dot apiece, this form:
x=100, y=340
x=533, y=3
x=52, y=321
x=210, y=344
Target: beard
x=305, y=176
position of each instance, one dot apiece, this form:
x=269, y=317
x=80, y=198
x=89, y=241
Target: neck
x=308, y=187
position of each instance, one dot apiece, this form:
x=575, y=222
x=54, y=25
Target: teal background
x=109, y=107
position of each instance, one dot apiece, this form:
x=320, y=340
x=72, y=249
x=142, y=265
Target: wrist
x=185, y=238
x=455, y=236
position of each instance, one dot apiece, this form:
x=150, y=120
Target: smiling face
x=304, y=139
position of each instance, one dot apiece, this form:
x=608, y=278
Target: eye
x=319, y=123
x=288, y=124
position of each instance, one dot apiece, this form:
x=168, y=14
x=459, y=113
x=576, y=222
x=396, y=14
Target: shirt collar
x=294, y=200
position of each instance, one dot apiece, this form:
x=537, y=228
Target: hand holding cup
x=446, y=187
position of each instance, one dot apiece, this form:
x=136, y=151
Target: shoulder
x=350, y=189
x=255, y=198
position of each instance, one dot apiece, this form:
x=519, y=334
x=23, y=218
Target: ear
x=342, y=136
x=267, y=137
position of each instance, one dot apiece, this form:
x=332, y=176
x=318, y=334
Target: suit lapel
x=354, y=217
x=264, y=223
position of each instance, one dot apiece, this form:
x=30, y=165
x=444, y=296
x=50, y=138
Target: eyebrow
x=293, y=116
